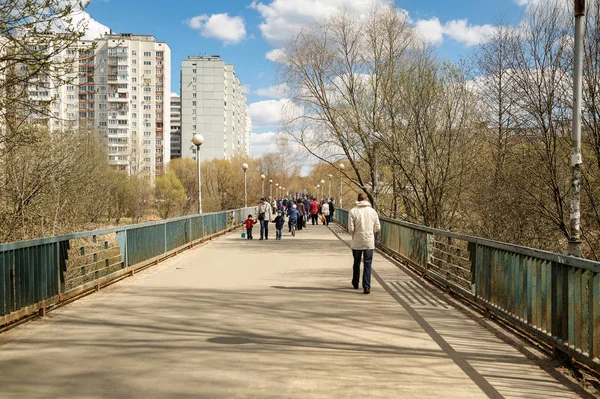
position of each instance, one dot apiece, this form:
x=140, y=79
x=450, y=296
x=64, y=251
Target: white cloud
x=263, y=143
x=173, y=94
x=267, y=113
x=272, y=112
x=283, y=18
x=277, y=91
x=81, y=21
x=431, y=30
x=469, y=35
x=276, y=55
x=219, y=26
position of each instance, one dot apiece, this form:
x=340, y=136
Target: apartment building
x=175, y=126
x=214, y=105
x=116, y=87
x=133, y=77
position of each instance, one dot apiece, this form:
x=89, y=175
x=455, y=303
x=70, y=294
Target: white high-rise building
x=133, y=86
x=213, y=104
x=119, y=87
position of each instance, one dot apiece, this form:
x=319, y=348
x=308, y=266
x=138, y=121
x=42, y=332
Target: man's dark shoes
x=355, y=286
x=367, y=291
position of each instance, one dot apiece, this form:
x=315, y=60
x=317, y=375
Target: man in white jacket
x=363, y=223
x=265, y=216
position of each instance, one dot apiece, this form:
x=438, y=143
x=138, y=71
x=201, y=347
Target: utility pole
x=574, y=248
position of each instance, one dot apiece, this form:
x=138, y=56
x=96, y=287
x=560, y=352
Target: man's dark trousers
x=367, y=255
x=264, y=229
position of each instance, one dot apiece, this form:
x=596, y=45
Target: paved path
x=264, y=319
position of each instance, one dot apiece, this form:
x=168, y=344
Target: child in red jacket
x=249, y=225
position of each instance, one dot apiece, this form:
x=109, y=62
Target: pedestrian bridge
x=223, y=317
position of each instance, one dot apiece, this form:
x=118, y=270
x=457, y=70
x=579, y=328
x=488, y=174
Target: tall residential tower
x=213, y=104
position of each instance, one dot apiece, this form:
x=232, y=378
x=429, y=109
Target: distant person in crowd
x=306, y=203
x=325, y=212
x=293, y=217
x=314, y=211
x=331, y=209
x=302, y=212
x=279, y=222
x=249, y=225
x=265, y=216
x=363, y=223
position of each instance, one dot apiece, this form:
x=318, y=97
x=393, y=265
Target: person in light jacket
x=265, y=216
x=363, y=223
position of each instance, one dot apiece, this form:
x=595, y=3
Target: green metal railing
x=555, y=298
x=39, y=273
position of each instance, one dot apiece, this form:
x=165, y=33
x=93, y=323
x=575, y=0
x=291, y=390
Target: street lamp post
x=574, y=246
x=245, y=167
x=271, y=188
x=262, y=177
x=342, y=167
x=317, y=191
x=277, y=190
x=329, y=190
x=197, y=140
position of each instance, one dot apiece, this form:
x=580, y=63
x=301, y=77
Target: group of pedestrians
x=363, y=223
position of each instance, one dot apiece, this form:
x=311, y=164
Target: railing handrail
x=587, y=264
x=48, y=240
x=552, y=297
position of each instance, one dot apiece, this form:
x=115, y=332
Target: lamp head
x=245, y=166
x=322, y=181
x=271, y=181
x=197, y=139
x=342, y=166
x=330, y=176
x=262, y=177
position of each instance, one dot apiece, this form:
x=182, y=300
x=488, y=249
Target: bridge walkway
x=266, y=319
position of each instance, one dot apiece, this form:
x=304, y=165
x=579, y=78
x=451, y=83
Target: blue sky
x=242, y=32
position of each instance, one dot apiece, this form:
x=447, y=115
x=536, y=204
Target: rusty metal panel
x=595, y=316
x=177, y=234
x=145, y=243
x=197, y=227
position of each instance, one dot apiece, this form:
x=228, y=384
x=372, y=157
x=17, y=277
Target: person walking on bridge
x=265, y=216
x=314, y=211
x=363, y=223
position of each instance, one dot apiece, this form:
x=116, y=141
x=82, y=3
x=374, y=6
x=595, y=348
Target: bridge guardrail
x=555, y=298
x=38, y=273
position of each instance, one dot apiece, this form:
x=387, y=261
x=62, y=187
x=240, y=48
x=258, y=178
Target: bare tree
x=336, y=70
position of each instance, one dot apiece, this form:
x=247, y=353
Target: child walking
x=249, y=225
x=279, y=222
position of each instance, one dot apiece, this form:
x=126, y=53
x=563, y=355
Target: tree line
x=480, y=146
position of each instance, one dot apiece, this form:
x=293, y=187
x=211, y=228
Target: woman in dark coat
x=331, y=210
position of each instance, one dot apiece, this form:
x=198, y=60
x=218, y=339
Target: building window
x=147, y=54
x=147, y=62
x=133, y=52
